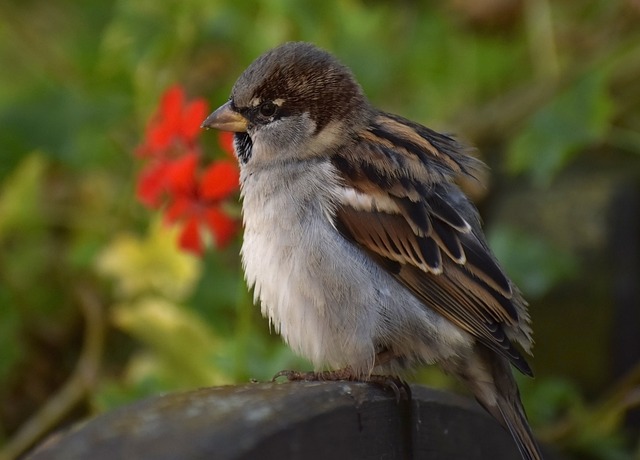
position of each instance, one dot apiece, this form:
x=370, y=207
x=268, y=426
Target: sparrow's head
x=295, y=100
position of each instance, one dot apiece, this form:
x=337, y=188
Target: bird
x=361, y=249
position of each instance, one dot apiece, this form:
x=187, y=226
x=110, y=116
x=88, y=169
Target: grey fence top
x=301, y=420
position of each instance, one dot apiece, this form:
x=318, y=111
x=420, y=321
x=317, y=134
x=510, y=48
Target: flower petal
x=225, y=139
x=192, y=117
x=222, y=226
x=151, y=184
x=159, y=137
x=219, y=180
x=179, y=208
x=176, y=122
x=189, y=238
x=181, y=174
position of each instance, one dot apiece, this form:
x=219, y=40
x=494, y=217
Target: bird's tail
x=489, y=377
x=515, y=420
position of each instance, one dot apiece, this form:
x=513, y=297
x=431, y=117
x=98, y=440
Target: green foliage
x=150, y=265
x=579, y=117
x=10, y=354
x=542, y=83
x=19, y=213
x=19, y=197
x=558, y=405
x=534, y=265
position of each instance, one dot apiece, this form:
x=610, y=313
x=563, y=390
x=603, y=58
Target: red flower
x=193, y=193
x=225, y=139
x=153, y=182
x=175, y=125
x=197, y=199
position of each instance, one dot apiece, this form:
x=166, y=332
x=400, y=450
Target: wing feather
x=400, y=206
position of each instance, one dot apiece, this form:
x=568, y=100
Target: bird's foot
x=324, y=376
x=400, y=388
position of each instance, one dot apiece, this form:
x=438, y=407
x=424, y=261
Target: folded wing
x=423, y=230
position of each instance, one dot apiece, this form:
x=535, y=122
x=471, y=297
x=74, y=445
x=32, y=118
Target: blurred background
x=113, y=288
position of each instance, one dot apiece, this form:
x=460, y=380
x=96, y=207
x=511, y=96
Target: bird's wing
x=398, y=204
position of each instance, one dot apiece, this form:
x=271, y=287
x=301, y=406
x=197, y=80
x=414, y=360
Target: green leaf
x=576, y=119
x=153, y=264
x=547, y=400
x=181, y=350
x=533, y=264
x=19, y=197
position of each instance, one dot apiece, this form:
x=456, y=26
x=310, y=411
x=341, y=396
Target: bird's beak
x=226, y=119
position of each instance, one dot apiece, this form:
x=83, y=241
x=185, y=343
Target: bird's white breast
x=329, y=301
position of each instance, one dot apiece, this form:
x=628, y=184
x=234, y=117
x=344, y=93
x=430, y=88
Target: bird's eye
x=268, y=109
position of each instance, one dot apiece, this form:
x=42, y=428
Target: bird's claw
x=324, y=376
x=296, y=376
x=400, y=388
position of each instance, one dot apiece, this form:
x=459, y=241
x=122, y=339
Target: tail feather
x=515, y=420
x=490, y=379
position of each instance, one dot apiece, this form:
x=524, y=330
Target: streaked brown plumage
x=429, y=239
x=362, y=250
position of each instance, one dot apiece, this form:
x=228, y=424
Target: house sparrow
x=364, y=254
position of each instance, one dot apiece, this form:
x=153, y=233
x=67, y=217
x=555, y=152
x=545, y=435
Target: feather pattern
x=419, y=226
